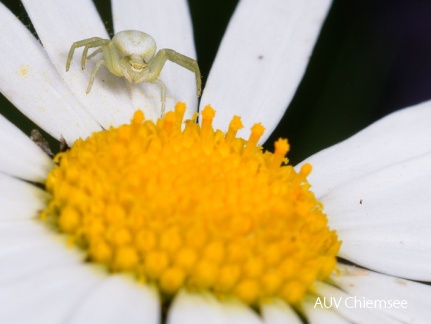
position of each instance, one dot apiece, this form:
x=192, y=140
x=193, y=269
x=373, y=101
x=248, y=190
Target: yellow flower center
x=193, y=208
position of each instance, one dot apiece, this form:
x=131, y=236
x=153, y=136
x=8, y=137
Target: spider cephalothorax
x=132, y=54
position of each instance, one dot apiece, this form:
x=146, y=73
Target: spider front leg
x=157, y=63
x=163, y=95
x=85, y=42
x=99, y=50
x=97, y=43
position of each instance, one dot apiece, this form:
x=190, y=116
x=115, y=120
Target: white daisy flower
x=202, y=227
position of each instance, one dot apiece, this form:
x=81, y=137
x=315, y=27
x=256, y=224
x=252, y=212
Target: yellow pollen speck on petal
x=184, y=206
x=24, y=71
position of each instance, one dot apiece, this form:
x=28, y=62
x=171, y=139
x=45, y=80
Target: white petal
x=28, y=80
x=49, y=296
x=262, y=59
x=188, y=308
x=279, y=312
x=27, y=248
x=378, y=287
x=398, y=137
x=316, y=315
x=19, y=156
x=169, y=23
x=50, y=277
x=28, y=259
x=236, y=312
x=119, y=300
x=375, y=188
x=384, y=219
x=343, y=303
x=41, y=280
x=68, y=22
x=20, y=200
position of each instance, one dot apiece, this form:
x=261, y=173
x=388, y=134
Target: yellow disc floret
x=192, y=207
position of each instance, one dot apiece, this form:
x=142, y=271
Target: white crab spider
x=132, y=54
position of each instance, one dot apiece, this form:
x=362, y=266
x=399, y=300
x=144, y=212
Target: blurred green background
x=372, y=57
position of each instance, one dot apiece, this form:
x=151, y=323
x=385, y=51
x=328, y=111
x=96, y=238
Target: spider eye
x=138, y=66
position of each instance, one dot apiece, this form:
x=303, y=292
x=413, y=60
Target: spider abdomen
x=133, y=42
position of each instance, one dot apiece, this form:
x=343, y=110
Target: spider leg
x=93, y=74
x=163, y=95
x=79, y=44
x=99, y=50
x=163, y=55
x=96, y=43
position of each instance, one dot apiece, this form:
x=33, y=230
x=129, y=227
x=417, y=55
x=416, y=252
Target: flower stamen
x=193, y=207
